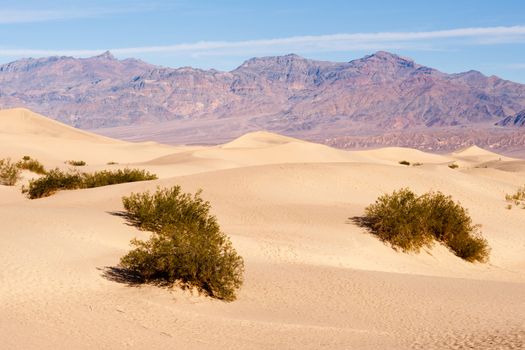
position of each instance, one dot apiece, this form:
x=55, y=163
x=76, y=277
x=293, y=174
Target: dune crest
x=259, y=139
x=22, y=121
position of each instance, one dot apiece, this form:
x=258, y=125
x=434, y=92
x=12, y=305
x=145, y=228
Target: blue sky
x=452, y=36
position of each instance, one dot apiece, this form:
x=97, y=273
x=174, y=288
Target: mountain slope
x=515, y=120
x=287, y=94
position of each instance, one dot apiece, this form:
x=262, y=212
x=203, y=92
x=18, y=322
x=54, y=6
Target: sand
x=313, y=279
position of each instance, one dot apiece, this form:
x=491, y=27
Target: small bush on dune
x=153, y=212
x=113, y=177
x=32, y=165
x=404, y=162
x=453, y=166
x=9, y=172
x=76, y=162
x=397, y=218
x=517, y=198
x=56, y=180
x=186, y=246
x=410, y=222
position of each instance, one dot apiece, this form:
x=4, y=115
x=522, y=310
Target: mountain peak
x=106, y=55
x=388, y=57
x=279, y=60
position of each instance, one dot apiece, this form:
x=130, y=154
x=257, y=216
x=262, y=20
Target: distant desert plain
x=313, y=278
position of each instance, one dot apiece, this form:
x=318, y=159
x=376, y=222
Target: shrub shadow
x=362, y=221
x=125, y=215
x=121, y=275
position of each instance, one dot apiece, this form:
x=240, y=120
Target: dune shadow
x=121, y=275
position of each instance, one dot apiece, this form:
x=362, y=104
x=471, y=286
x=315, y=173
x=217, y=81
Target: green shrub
x=56, y=180
x=453, y=166
x=113, y=177
x=186, y=247
x=397, y=218
x=76, y=162
x=9, y=172
x=404, y=162
x=409, y=222
x=32, y=165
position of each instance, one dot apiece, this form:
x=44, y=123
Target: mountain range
x=332, y=102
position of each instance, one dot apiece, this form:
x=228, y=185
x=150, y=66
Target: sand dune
x=26, y=133
x=313, y=279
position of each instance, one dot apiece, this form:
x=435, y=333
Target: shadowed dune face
x=313, y=278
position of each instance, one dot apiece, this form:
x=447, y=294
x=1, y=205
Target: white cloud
x=427, y=40
x=516, y=66
x=14, y=16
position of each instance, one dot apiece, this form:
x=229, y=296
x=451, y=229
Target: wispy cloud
x=516, y=66
x=15, y=16
x=427, y=40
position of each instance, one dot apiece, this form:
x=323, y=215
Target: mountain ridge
x=290, y=94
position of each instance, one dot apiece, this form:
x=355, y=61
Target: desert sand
x=313, y=279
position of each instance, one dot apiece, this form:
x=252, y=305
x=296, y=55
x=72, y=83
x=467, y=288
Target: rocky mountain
x=515, y=120
x=289, y=94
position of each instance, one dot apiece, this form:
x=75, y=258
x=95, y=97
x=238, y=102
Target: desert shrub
x=112, y=177
x=518, y=198
x=453, y=166
x=417, y=164
x=76, y=162
x=409, y=222
x=9, y=172
x=111, y=163
x=32, y=165
x=56, y=180
x=404, y=162
x=186, y=247
x=153, y=212
x=397, y=218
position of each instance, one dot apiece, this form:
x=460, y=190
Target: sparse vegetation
x=517, y=198
x=76, y=162
x=33, y=165
x=113, y=177
x=417, y=164
x=453, y=166
x=404, y=162
x=409, y=222
x=56, y=180
x=111, y=163
x=186, y=247
x=9, y=172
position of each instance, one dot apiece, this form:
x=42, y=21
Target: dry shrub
x=9, y=172
x=186, y=246
x=56, y=180
x=409, y=222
